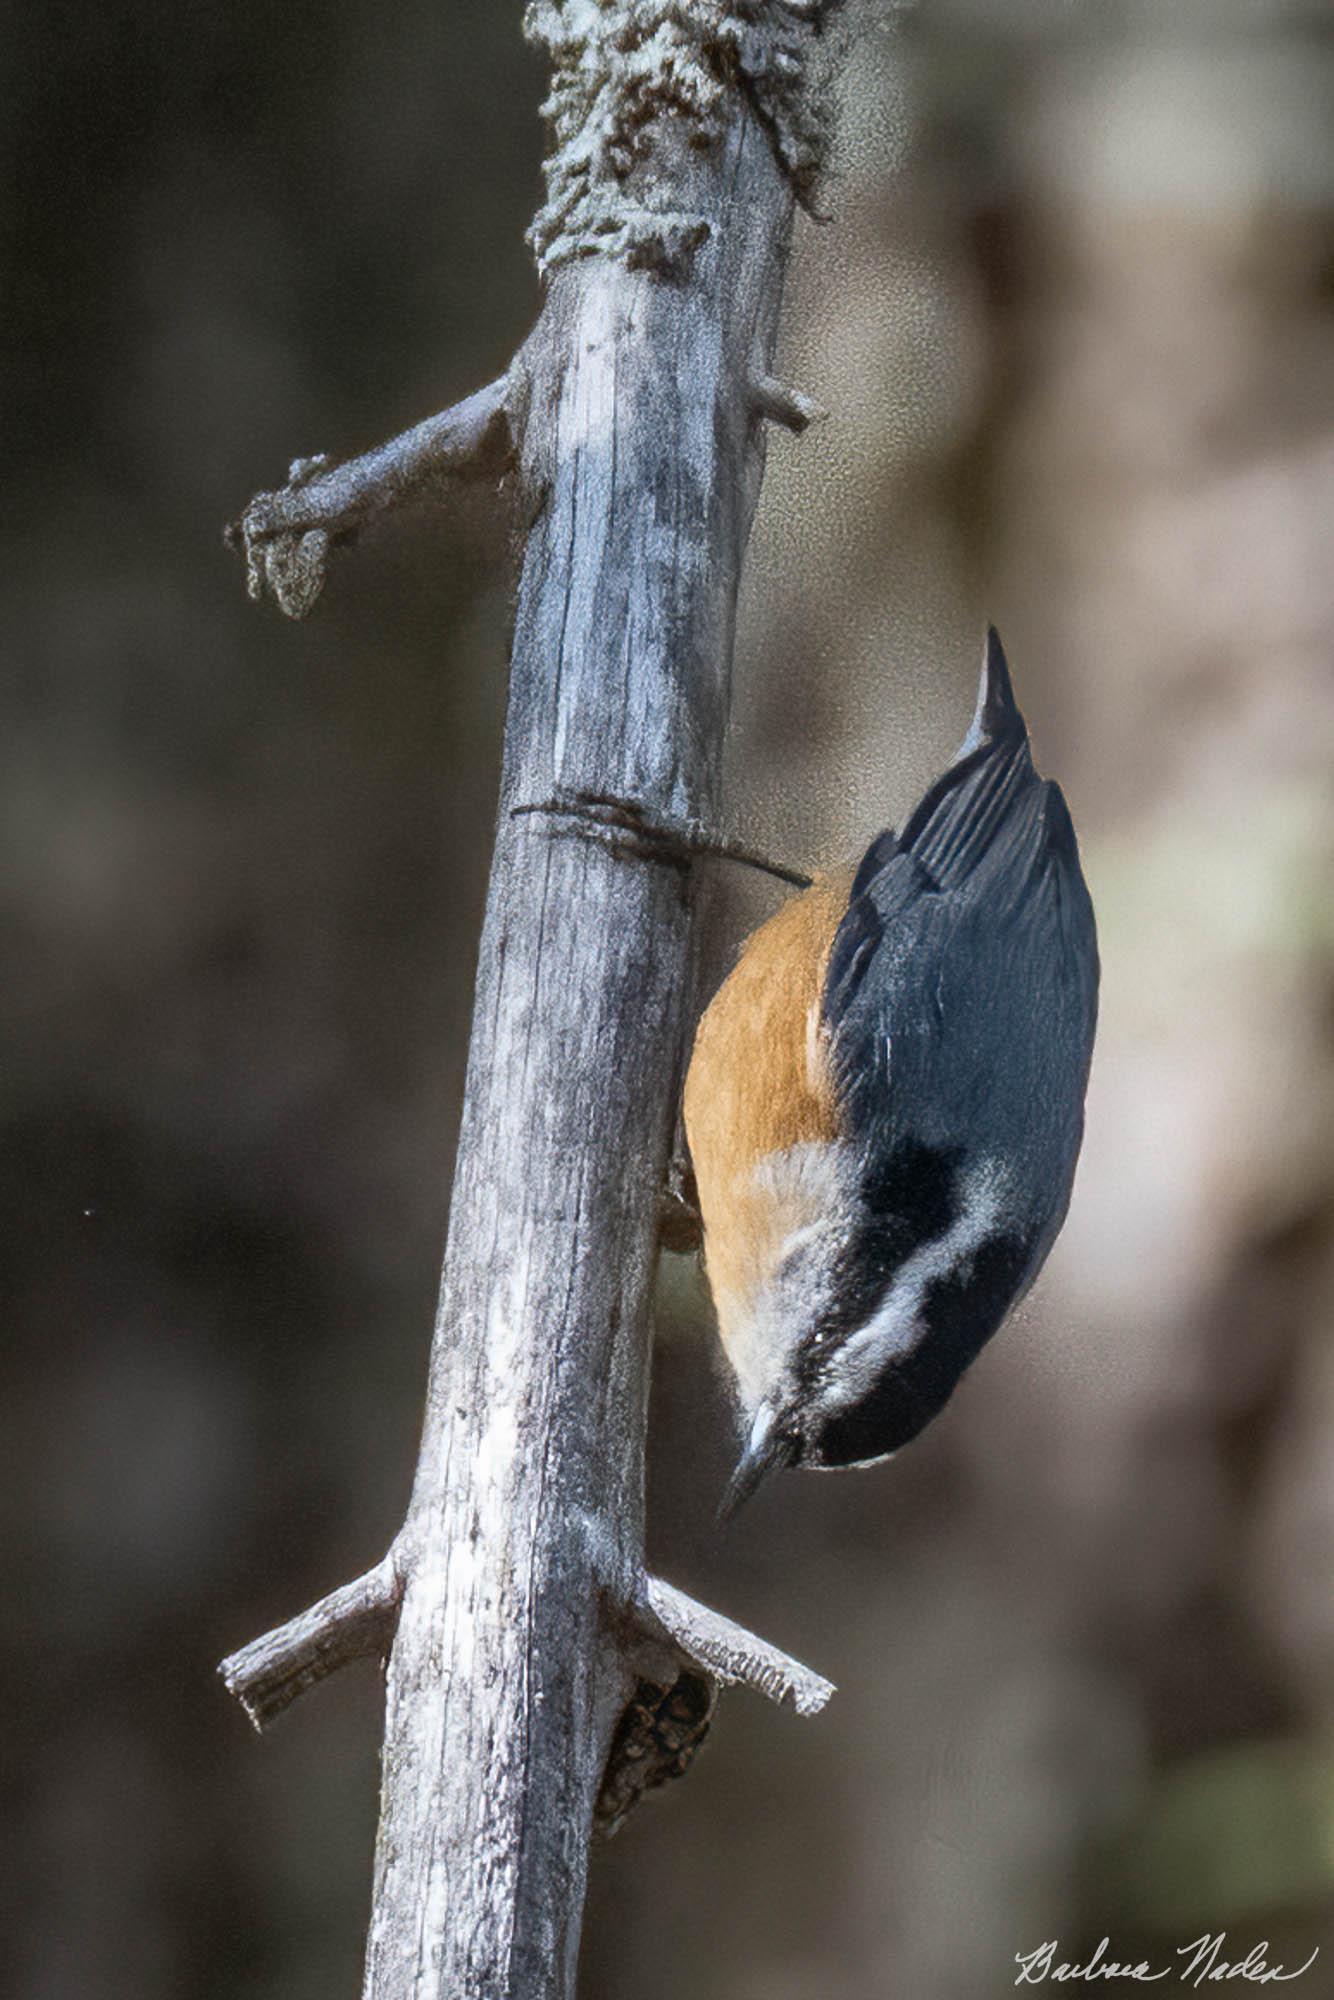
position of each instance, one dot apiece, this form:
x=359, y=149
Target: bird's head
x=858, y=1333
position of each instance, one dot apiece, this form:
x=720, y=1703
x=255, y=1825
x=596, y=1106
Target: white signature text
x=1205, y=1962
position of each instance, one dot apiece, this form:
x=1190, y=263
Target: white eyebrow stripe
x=894, y=1328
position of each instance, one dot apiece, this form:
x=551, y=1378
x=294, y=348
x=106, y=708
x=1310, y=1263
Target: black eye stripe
x=908, y=1200
x=960, y=1312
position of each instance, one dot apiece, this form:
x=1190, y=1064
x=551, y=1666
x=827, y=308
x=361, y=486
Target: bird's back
x=961, y=993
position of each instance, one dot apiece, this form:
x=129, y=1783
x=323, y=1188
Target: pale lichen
x=630, y=77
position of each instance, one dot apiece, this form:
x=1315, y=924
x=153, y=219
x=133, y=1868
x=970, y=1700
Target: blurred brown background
x=1075, y=323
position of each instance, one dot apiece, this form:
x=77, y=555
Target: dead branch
x=286, y=536
x=514, y=1603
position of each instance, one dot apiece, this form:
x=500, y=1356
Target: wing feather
x=968, y=948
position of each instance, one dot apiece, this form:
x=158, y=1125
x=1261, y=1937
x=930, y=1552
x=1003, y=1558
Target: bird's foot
x=680, y=1225
x=628, y=827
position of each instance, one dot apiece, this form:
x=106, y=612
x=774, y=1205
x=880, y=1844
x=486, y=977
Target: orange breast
x=759, y=1082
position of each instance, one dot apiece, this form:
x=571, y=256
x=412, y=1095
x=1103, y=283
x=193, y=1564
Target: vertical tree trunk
x=635, y=416
x=641, y=459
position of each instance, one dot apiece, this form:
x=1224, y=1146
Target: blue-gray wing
x=961, y=992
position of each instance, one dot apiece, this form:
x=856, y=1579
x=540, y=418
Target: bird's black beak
x=767, y=1449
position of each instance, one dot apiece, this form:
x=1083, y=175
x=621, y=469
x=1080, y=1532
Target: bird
x=884, y=1107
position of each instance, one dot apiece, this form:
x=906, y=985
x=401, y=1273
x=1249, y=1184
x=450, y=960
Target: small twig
x=357, y=1621
x=286, y=535
x=678, y=845
x=267, y=1675
x=728, y=1651
x=784, y=405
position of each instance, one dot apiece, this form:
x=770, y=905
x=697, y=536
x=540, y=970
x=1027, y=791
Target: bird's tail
x=990, y=783
x=996, y=719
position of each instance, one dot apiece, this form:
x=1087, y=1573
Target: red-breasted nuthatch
x=885, y=1104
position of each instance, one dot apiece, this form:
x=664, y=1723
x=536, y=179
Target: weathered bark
x=522, y=1621
x=524, y=1542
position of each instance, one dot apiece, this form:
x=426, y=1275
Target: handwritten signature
x=1205, y=1960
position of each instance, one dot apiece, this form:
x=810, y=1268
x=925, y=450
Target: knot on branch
x=288, y=564
x=286, y=536
x=655, y=1741
x=626, y=73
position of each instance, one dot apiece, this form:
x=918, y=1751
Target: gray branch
x=286, y=536
x=782, y=404
x=527, y=1647
x=730, y=1654
x=267, y=1675
x=357, y=1622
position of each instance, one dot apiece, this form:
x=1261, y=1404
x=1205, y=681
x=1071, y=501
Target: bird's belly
x=760, y=1109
